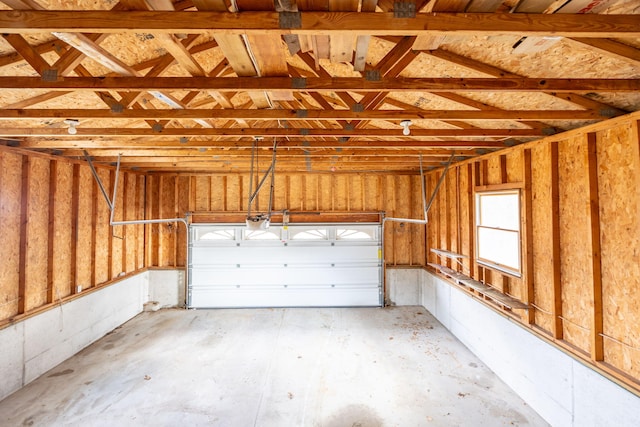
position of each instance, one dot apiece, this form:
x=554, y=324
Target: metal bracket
x=304, y=131
x=357, y=108
x=289, y=20
x=373, y=75
x=349, y=126
x=298, y=83
x=49, y=75
x=157, y=127
x=117, y=108
x=402, y=9
x=301, y=114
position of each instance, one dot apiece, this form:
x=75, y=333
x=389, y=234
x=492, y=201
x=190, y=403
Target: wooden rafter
x=157, y=143
x=356, y=23
x=399, y=84
x=288, y=132
x=303, y=114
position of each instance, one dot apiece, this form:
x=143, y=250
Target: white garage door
x=311, y=265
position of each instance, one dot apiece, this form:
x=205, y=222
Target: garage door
x=310, y=265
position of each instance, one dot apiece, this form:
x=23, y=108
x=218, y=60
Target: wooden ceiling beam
x=282, y=132
x=246, y=151
x=39, y=143
x=400, y=84
x=339, y=23
x=300, y=114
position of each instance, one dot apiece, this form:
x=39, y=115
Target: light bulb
x=72, y=130
x=405, y=124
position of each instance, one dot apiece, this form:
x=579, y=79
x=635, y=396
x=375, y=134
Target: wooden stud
x=597, y=327
x=53, y=188
x=125, y=194
x=527, y=234
x=503, y=169
x=24, y=209
x=110, y=230
x=471, y=167
x=557, y=327
x=73, y=250
x=94, y=231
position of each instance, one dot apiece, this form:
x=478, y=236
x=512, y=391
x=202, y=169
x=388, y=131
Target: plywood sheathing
x=618, y=171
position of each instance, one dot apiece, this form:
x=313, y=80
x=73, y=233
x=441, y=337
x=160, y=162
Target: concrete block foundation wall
x=33, y=346
x=561, y=389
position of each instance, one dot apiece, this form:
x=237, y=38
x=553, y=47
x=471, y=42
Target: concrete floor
x=272, y=367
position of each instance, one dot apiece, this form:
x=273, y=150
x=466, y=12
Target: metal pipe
x=424, y=191
x=273, y=173
x=97, y=178
x=264, y=178
x=254, y=148
x=433, y=196
x=444, y=173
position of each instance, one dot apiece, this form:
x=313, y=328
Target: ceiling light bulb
x=405, y=125
x=72, y=126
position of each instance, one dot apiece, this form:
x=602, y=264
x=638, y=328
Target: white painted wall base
x=166, y=287
x=561, y=389
x=403, y=286
x=36, y=344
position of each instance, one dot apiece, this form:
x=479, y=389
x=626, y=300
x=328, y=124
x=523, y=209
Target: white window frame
x=481, y=225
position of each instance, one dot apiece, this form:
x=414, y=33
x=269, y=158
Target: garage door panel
x=282, y=254
x=279, y=296
x=286, y=276
x=277, y=272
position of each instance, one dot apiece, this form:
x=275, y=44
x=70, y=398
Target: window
x=362, y=233
x=498, y=230
x=262, y=234
x=221, y=234
x=308, y=234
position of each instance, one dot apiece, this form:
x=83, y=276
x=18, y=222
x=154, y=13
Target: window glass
x=500, y=211
x=261, y=234
x=218, y=235
x=498, y=229
x=308, y=234
x=355, y=234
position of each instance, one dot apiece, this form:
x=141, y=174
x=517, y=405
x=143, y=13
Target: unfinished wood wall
x=55, y=231
x=173, y=195
x=580, y=240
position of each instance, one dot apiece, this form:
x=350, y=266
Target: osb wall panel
x=585, y=201
x=140, y=230
x=62, y=226
x=542, y=232
x=37, y=234
x=10, y=191
x=619, y=192
x=102, y=231
x=117, y=232
x=575, y=241
x=56, y=235
x=171, y=196
x=85, y=237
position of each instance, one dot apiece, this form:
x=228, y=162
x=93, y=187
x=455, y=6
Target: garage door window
x=261, y=235
x=498, y=230
x=356, y=234
x=309, y=234
x=218, y=235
